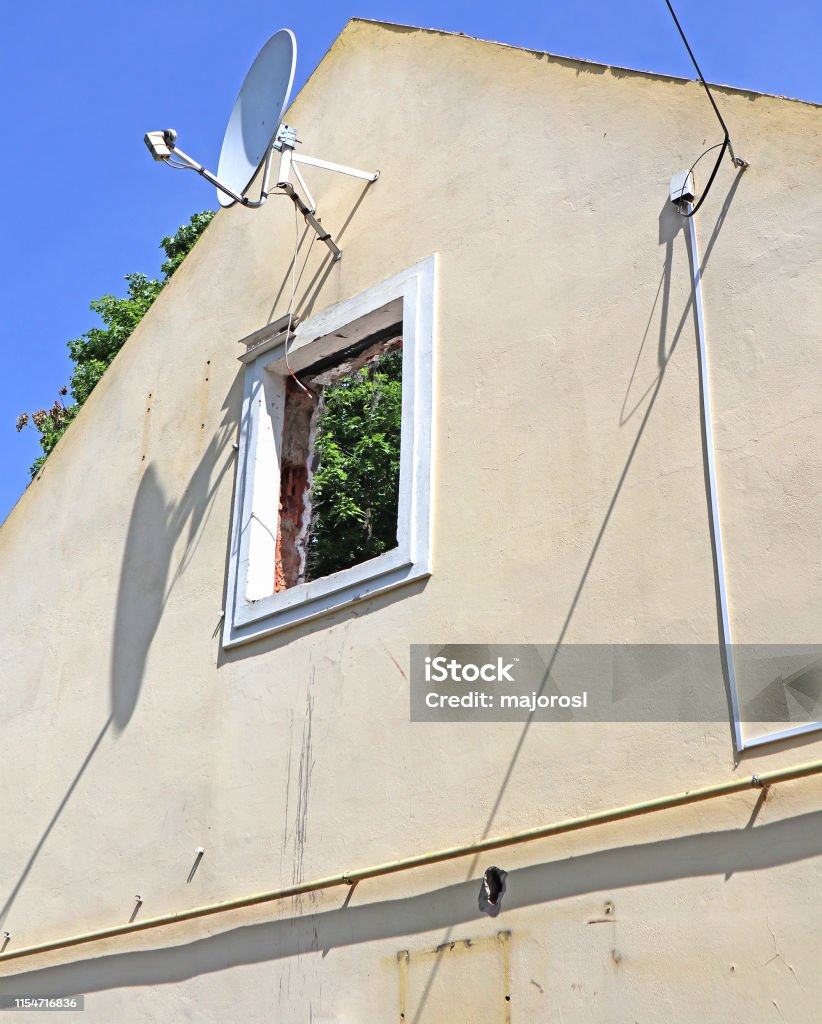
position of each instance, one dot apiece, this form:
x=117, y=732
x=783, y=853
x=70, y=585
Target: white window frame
x=252, y=608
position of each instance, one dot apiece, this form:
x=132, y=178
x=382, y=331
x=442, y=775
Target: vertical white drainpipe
x=719, y=555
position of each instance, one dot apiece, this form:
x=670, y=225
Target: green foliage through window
x=355, y=490
x=94, y=351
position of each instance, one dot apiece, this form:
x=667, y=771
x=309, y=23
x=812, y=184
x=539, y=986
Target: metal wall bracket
x=164, y=148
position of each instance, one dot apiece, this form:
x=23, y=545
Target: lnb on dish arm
x=163, y=147
x=161, y=144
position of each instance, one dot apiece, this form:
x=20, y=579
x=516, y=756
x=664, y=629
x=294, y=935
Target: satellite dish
x=254, y=134
x=256, y=114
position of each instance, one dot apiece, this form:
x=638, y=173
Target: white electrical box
x=682, y=187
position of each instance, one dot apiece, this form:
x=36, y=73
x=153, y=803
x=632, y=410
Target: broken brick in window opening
x=294, y=517
x=340, y=462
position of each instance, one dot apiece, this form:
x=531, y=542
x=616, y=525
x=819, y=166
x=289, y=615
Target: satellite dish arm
x=192, y=165
x=248, y=138
x=354, y=172
x=308, y=213
x=286, y=187
x=163, y=147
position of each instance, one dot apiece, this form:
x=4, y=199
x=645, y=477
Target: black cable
x=701, y=76
x=721, y=146
x=726, y=143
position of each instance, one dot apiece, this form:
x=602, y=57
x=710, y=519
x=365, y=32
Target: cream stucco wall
x=569, y=505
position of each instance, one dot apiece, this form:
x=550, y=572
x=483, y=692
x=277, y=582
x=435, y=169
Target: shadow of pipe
x=711, y=854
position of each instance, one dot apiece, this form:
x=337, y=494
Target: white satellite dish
x=254, y=134
x=256, y=114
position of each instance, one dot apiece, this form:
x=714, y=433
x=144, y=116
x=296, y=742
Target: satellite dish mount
x=253, y=136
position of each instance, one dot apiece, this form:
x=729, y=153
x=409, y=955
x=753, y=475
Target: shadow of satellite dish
x=141, y=595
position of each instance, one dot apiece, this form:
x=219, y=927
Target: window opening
x=333, y=491
x=340, y=461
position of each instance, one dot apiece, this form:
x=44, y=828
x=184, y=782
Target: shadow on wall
x=141, y=595
x=154, y=530
x=703, y=855
x=670, y=227
x=324, y=624
x=290, y=284
x=8, y=903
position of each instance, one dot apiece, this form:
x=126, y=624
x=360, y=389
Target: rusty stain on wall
x=402, y=960
x=295, y=828
x=479, y=969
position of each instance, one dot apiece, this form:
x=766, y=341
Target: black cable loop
x=704, y=195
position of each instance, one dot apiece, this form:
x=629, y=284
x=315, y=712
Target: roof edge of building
x=580, y=61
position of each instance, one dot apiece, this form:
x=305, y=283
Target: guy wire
x=294, y=281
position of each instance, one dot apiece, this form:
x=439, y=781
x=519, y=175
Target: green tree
x=94, y=351
x=355, y=490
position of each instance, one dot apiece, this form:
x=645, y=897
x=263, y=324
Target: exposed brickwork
x=294, y=488
x=296, y=454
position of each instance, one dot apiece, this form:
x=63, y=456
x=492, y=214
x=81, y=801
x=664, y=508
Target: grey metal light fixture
x=492, y=890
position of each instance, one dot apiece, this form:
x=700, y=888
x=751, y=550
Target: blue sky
x=81, y=83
